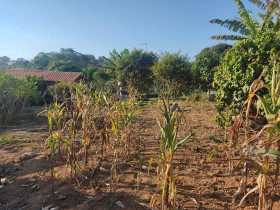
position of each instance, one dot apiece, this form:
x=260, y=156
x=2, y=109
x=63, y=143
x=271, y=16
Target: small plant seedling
x=197, y=167
x=213, y=139
x=92, y=183
x=111, y=204
x=195, y=148
x=34, y=148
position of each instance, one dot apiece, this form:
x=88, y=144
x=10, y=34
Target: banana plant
x=246, y=25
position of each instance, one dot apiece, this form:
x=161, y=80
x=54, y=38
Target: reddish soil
x=199, y=185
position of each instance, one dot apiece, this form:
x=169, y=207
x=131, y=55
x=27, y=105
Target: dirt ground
x=199, y=185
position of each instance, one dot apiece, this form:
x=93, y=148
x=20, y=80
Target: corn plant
x=105, y=106
x=72, y=158
x=87, y=106
x=116, y=118
x=230, y=126
x=83, y=117
x=168, y=145
x=266, y=182
x=57, y=116
x=52, y=143
x=129, y=110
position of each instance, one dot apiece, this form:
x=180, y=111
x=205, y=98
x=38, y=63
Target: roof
x=48, y=76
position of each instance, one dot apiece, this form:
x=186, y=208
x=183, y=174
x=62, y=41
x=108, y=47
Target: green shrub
x=59, y=90
x=241, y=66
x=15, y=94
x=37, y=81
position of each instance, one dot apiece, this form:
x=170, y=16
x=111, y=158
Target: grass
x=9, y=139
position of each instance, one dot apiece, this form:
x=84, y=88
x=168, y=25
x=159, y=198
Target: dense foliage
x=66, y=66
x=66, y=56
x=59, y=91
x=242, y=65
x=133, y=70
x=173, y=71
x=15, y=94
x=206, y=64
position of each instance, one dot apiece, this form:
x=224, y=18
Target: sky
x=96, y=27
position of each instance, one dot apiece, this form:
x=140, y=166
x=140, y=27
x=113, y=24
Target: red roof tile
x=48, y=76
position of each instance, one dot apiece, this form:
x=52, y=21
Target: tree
x=173, y=70
x=100, y=79
x=133, y=69
x=246, y=25
x=89, y=71
x=20, y=63
x=66, y=66
x=243, y=64
x=41, y=61
x=68, y=54
x=206, y=64
x=4, y=61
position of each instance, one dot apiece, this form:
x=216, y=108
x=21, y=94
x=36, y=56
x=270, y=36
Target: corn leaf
x=267, y=152
x=251, y=161
x=183, y=141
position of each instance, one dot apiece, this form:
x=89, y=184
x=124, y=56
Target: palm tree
x=246, y=25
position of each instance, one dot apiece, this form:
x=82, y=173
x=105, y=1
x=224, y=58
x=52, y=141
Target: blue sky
x=96, y=27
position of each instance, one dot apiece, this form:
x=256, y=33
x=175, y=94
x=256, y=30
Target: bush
x=59, y=90
x=15, y=95
x=241, y=66
x=37, y=81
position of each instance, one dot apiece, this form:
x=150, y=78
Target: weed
x=111, y=204
x=151, y=104
x=7, y=138
x=213, y=139
x=197, y=167
x=195, y=148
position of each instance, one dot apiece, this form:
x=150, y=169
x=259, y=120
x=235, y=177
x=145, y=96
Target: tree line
x=136, y=69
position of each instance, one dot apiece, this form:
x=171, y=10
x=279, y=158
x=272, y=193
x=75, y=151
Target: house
x=50, y=77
